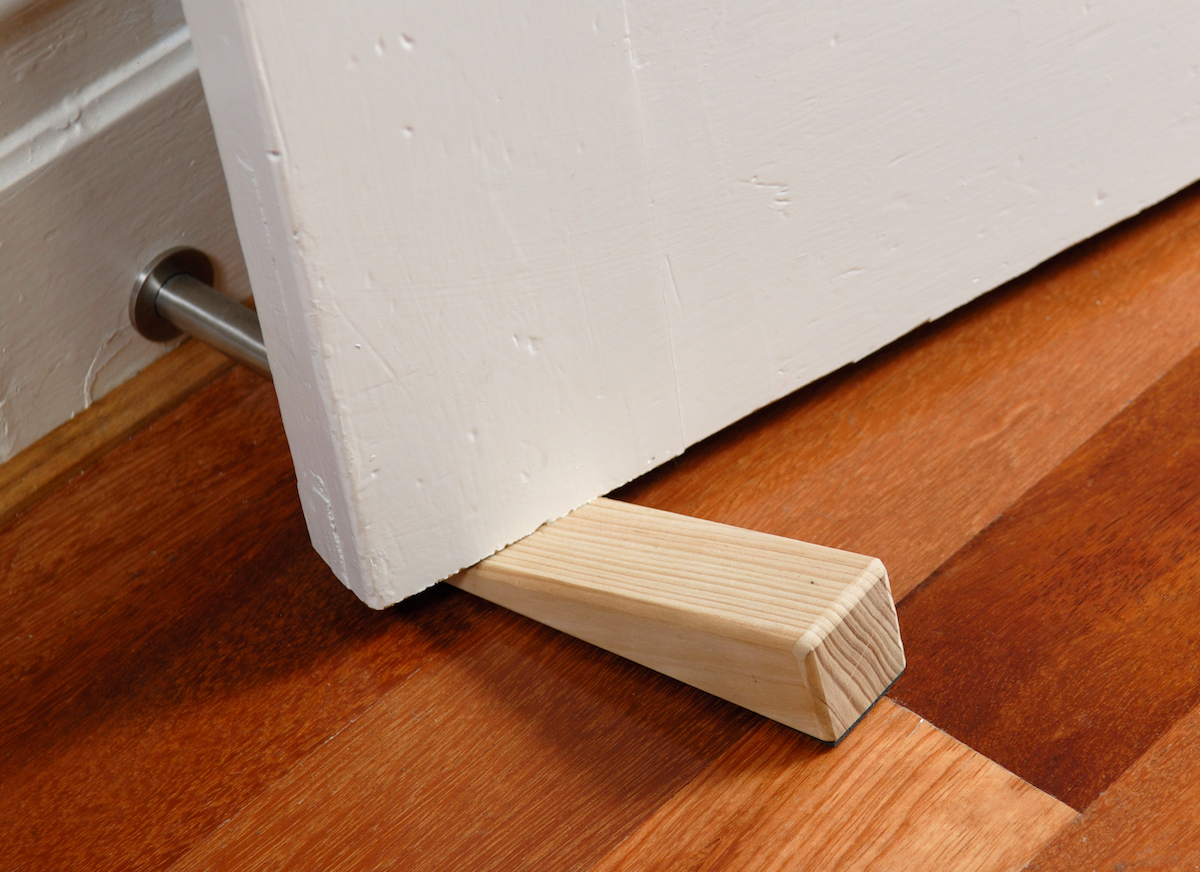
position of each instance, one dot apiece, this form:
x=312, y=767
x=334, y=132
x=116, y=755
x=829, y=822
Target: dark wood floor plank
x=910, y=453
x=1149, y=819
x=1063, y=640
x=178, y=647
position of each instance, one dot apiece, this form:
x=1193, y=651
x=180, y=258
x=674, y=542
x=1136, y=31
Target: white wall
x=106, y=158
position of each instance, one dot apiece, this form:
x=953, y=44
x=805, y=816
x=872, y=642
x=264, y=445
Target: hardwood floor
x=1063, y=640
x=896, y=794
x=185, y=685
x=1147, y=819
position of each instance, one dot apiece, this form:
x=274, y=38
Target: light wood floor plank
x=896, y=794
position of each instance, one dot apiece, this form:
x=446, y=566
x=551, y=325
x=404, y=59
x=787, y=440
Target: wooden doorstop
x=800, y=633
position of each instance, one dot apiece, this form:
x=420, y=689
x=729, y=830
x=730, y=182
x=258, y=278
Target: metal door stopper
x=174, y=295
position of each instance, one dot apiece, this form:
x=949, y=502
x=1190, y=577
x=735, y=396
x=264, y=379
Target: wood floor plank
x=896, y=794
x=534, y=752
x=35, y=472
x=1063, y=640
x=172, y=646
x=1149, y=819
x=910, y=453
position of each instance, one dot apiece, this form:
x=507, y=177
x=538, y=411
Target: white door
x=510, y=255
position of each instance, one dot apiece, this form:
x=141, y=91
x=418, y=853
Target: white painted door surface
x=510, y=255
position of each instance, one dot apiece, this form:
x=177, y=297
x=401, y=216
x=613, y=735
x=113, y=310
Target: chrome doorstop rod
x=174, y=295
